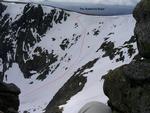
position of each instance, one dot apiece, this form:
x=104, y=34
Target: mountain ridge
x=44, y=34
x=84, y=8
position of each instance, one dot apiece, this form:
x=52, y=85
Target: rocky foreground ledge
x=128, y=87
x=9, y=98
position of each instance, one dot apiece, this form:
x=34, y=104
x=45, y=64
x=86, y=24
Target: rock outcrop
x=2, y=8
x=142, y=29
x=128, y=87
x=19, y=39
x=74, y=85
x=9, y=98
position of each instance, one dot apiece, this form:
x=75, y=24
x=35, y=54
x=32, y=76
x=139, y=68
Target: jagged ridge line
x=17, y=2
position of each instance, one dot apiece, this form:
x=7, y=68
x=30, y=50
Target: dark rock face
x=9, y=100
x=109, y=49
x=142, y=29
x=18, y=39
x=70, y=88
x=2, y=8
x=128, y=87
x=138, y=71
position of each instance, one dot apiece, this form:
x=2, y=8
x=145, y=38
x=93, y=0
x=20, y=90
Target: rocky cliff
x=128, y=87
x=19, y=35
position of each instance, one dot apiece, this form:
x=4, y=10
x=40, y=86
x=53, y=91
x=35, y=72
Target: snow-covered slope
x=59, y=67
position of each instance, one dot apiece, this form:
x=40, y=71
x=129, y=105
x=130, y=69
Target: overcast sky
x=120, y=2
x=103, y=1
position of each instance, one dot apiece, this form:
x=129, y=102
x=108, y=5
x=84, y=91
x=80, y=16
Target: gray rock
x=138, y=70
x=128, y=88
x=142, y=28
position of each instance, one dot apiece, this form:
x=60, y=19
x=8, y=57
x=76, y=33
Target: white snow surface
x=35, y=97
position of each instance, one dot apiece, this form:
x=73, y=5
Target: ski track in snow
x=35, y=97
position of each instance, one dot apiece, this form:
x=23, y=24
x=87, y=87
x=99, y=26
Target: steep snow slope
x=62, y=70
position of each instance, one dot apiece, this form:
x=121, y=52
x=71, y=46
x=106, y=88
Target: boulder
x=128, y=88
x=142, y=29
x=9, y=98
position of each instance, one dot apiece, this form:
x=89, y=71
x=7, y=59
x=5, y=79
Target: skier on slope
x=95, y=107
